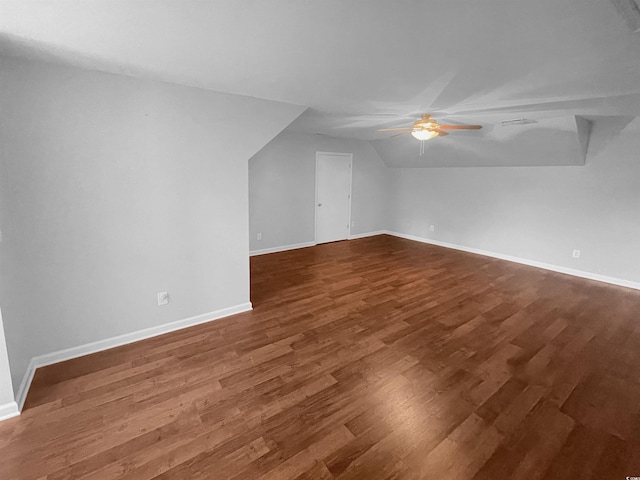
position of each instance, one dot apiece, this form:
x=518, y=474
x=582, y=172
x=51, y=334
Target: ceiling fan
x=427, y=128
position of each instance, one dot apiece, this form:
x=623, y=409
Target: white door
x=333, y=196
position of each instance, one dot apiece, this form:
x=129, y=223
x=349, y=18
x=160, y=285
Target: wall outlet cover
x=163, y=298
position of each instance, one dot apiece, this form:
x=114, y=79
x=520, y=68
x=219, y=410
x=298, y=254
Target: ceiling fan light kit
x=424, y=134
x=427, y=128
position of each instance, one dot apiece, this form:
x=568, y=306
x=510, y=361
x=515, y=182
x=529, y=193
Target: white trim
x=335, y=154
x=295, y=246
x=315, y=200
x=284, y=248
x=532, y=263
x=12, y=409
x=350, y=194
x=9, y=410
x=21, y=396
x=100, y=345
x=367, y=234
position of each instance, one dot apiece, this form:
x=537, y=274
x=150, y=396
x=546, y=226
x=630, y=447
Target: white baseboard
x=295, y=246
x=21, y=396
x=9, y=410
x=283, y=248
x=100, y=345
x=532, y=263
x=367, y=234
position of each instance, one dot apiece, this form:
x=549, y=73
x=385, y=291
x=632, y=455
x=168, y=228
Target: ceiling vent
x=630, y=11
x=517, y=121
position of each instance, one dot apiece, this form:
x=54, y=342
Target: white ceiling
x=359, y=64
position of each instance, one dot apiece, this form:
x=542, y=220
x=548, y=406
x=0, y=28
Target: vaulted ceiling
x=362, y=65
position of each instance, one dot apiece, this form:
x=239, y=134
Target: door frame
x=315, y=205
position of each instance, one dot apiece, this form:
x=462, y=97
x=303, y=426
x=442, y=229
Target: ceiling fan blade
x=427, y=127
x=459, y=127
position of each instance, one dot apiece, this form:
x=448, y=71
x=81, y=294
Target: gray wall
x=535, y=213
x=119, y=188
x=6, y=267
x=6, y=390
x=282, y=189
x=538, y=214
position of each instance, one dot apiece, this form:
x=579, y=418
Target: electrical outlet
x=432, y=228
x=576, y=254
x=163, y=298
x=259, y=236
x=353, y=223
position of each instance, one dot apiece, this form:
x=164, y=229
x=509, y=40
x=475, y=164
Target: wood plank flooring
x=377, y=358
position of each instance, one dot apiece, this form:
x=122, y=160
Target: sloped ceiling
x=363, y=65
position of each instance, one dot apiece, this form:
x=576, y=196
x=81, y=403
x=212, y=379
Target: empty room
x=333, y=240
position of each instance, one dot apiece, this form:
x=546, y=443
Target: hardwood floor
x=368, y=359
